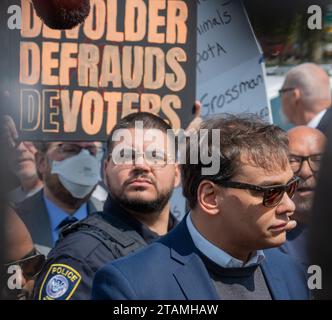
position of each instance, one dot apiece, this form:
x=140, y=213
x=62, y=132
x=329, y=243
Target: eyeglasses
x=129, y=156
x=31, y=265
x=314, y=161
x=285, y=90
x=272, y=194
x=71, y=149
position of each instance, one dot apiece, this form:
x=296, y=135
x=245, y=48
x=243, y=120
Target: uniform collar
x=112, y=207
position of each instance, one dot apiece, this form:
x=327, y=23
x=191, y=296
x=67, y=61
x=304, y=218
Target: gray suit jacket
x=34, y=214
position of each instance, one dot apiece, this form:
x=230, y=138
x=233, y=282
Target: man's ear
x=208, y=197
x=296, y=96
x=177, y=180
x=297, y=104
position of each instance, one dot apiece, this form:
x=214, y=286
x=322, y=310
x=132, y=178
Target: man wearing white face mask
x=70, y=173
x=136, y=213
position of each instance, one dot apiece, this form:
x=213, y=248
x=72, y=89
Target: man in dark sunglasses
x=225, y=247
x=306, y=148
x=23, y=261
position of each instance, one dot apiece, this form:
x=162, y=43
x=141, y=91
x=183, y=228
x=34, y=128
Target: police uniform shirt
x=70, y=268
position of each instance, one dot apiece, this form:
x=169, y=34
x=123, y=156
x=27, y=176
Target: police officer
x=140, y=173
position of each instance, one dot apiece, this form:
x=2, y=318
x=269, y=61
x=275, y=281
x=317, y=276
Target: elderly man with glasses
x=306, y=148
x=225, y=247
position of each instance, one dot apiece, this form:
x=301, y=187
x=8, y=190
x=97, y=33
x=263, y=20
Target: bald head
x=313, y=82
x=304, y=142
x=310, y=93
x=18, y=239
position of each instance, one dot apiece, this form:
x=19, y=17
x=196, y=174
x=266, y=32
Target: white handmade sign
x=230, y=67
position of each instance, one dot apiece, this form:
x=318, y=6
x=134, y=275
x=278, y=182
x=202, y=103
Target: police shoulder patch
x=59, y=283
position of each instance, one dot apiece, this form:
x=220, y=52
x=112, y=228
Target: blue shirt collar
x=57, y=215
x=217, y=255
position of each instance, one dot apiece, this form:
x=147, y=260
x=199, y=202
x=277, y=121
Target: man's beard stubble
x=142, y=206
x=139, y=205
x=62, y=14
x=304, y=205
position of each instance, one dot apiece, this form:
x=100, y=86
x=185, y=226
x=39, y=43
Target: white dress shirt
x=313, y=123
x=216, y=254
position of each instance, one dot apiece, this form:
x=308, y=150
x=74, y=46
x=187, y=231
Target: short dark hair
x=149, y=120
x=265, y=145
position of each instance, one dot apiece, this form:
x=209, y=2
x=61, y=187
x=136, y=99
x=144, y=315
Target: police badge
x=60, y=283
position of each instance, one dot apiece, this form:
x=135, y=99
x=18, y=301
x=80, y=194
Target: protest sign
x=230, y=67
x=128, y=56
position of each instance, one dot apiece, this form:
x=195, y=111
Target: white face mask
x=78, y=174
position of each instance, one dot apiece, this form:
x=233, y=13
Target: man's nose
x=286, y=205
x=305, y=171
x=21, y=147
x=141, y=164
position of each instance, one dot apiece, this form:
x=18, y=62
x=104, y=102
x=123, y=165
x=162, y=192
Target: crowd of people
x=93, y=221
x=87, y=220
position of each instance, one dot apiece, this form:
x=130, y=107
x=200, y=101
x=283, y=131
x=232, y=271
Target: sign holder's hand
x=194, y=125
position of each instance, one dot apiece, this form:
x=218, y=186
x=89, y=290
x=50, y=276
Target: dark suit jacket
x=297, y=245
x=34, y=214
x=320, y=237
x=172, y=269
x=326, y=121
